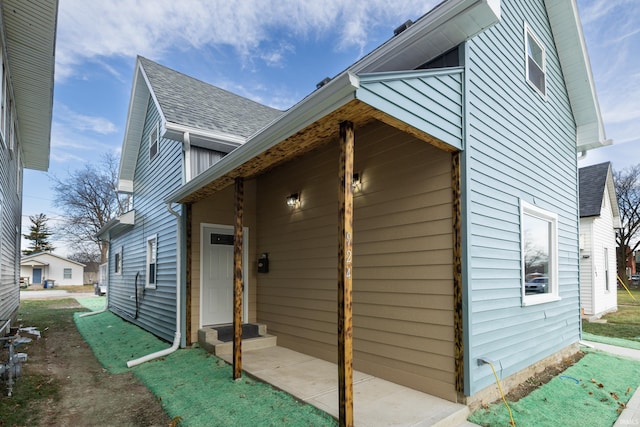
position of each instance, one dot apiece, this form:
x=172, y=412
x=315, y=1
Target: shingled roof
x=593, y=180
x=191, y=102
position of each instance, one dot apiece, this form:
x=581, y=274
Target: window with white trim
x=67, y=273
x=117, y=261
x=535, y=58
x=152, y=261
x=154, y=143
x=539, y=240
x=607, y=286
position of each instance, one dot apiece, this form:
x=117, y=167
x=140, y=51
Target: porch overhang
x=117, y=225
x=358, y=99
x=33, y=263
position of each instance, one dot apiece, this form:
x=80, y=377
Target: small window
x=538, y=232
x=117, y=261
x=606, y=270
x=535, y=62
x=154, y=144
x=67, y=273
x=152, y=256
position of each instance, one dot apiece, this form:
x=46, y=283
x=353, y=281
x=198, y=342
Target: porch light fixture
x=356, y=184
x=293, y=200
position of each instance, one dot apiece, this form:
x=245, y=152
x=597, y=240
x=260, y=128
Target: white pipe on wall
x=177, y=337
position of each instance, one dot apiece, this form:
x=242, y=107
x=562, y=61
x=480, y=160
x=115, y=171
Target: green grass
x=591, y=392
x=625, y=299
x=623, y=324
x=192, y=384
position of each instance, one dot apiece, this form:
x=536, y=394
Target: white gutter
x=177, y=337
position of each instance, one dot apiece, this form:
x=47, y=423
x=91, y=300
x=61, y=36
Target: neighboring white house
x=45, y=266
x=599, y=216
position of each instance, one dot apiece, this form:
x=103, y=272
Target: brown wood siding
x=403, y=258
x=218, y=209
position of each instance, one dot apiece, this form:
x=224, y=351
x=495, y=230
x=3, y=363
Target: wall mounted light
x=293, y=200
x=356, y=184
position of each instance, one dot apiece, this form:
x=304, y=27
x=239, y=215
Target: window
x=152, y=255
x=154, y=146
x=117, y=261
x=67, y=273
x=538, y=233
x=606, y=269
x=535, y=61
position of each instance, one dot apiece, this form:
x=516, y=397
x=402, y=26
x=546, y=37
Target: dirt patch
x=541, y=378
x=87, y=394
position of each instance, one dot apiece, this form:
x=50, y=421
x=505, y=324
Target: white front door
x=217, y=276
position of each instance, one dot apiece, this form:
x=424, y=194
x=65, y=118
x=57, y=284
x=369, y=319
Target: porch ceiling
x=313, y=136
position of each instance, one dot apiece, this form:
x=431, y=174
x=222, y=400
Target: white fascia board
x=576, y=68
x=440, y=30
x=219, y=141
x=125, y=186
x=330, y=97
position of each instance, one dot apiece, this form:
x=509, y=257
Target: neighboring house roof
x=33, y=259
x=594, y=180
x=30, y=29
x=213, y=117
x=446, y=26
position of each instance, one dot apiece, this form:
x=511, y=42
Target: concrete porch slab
x=376, y=402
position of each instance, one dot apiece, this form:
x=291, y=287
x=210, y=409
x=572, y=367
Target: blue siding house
x=465, y=247
x=26, y=99
x=172, y=134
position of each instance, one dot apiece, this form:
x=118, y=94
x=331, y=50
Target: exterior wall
x=520, y=146
x=10, y=205
x=402, y=264
x=586, y=265
x=604, y=237
x=55, y=271
x=219, y=209
x=153, y=180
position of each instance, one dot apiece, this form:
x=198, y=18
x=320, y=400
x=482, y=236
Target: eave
x=30, y=31
x=117, y=226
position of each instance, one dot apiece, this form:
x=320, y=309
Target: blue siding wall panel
x=520, y=146
x=152, y=181
x=430, y=101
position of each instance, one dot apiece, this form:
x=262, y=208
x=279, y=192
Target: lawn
x=624, y=323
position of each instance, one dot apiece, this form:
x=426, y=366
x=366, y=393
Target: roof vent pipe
x=403, y=27
x=323, y=82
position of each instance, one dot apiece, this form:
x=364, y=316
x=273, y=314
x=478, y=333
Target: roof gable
x=47, y=255
x=213, y=117
x=595, y=181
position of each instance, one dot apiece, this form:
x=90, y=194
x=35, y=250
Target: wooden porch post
x=345, y=255
x=237, y=279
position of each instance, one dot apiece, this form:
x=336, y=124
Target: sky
x=273, y=52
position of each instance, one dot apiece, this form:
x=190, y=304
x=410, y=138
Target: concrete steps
x=208, y=338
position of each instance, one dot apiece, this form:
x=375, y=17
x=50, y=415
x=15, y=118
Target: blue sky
x=273, y=52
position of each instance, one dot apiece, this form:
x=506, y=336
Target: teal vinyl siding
x=520, y=146
x=430, y=101
x=152, y=181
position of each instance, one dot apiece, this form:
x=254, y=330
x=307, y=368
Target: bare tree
x=627, y=183
x=89, y=199
x=39, y=235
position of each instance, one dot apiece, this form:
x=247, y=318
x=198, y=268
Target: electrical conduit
x=177, y=337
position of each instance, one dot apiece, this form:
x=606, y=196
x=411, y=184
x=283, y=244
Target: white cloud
x=83, y=122
x=124, y=28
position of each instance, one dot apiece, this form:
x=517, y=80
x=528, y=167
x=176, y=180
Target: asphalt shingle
x=592, y=183
x=191, y=102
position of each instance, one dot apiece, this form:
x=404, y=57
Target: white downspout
x=177, y=337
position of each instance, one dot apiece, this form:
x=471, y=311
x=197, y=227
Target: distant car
x=635, y=279
x=99, y=289
x=538, y=285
